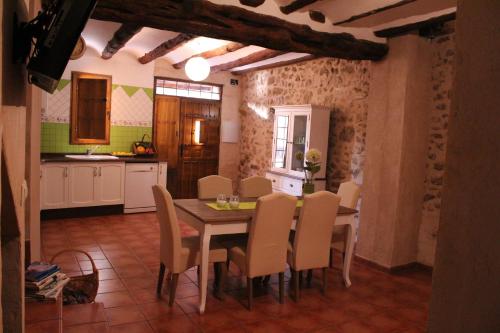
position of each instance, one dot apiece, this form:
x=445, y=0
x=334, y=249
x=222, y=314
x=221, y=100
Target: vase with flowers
x=312, y=166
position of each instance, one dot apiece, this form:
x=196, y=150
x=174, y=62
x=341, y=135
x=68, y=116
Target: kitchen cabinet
x=54, y=186
x=297, y=128
x=67, y=185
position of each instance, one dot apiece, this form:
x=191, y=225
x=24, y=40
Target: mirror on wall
x=90, y=108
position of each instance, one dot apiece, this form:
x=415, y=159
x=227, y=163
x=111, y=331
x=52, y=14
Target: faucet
x=91, y=150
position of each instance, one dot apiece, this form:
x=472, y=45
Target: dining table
x=210, y=221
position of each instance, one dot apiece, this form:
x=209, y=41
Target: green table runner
x=243, y=205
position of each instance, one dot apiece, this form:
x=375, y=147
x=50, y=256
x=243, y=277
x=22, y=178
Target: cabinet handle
x=274, y=180
x=95, y=172
x=291, y=185
x=100, y=172
x=66, y=172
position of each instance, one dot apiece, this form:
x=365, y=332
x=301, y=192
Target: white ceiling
x=98, y=33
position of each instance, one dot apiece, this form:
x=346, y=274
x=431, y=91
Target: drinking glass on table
x=221, y=200
x=234, y=201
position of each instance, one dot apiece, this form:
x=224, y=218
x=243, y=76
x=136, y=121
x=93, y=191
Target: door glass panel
x=299, y=142
x=281, y=141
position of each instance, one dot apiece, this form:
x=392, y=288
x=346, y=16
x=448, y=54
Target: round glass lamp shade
x=197, y=68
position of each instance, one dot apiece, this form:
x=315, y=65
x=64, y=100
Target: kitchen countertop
x=56, y=157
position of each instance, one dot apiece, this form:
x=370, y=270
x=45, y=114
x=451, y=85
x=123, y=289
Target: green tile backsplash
x=55, y=139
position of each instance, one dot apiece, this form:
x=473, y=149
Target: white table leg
x=349, y=251
x=205, y=235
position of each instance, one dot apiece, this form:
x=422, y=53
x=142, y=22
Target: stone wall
x=441, y=86
x=339, y=84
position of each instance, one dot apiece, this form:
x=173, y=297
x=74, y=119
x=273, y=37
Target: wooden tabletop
x=201, y=211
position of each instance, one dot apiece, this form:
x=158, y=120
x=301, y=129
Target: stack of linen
x=44, y=282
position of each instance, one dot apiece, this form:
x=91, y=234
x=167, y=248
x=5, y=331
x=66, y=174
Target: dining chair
x=210, y=187
x=349, y=195
x=255, y=186
x=264, y=253
x=311, y=242
x=178, y=254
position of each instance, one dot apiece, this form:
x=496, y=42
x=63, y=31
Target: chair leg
x=219, y=286
x=300, y=278
x=216, y=274
x=325, y=279
x=198, y=273
x=250, y=292
x=309, y=277
x=266, y=279
x=296, y=289
x=282, y=287
x=173, y=288
x=331, y=257
x=161, y=276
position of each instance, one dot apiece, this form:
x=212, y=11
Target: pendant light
x=197, y=68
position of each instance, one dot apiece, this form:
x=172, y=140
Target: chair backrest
x=170, y=234
x=268, y=235
x=211, y=186
x=349, y=194
x=313, y=233
x=255, y=186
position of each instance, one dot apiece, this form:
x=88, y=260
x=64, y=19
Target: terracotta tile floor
x=125, y=249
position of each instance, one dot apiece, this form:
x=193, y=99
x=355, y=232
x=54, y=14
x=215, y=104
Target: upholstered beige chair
x=211, y=186
x=255, y=186
x=349, y=196
x=311, y=242
x=265, y=251
x=178, y=254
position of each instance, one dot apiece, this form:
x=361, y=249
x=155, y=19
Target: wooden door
x=166, y=133
x=199, y=144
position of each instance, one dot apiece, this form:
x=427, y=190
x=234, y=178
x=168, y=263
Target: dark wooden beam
x=252, y=3
x=166, y=47
x=237, y=24
x=275, y=64
x=231, y=47
x=249, y=59
x=404, y=29
x=317, y=16
x=121, y=36
x=374, y=11
x=295, y=5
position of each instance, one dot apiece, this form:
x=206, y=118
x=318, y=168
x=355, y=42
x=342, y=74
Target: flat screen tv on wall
x=56, y=31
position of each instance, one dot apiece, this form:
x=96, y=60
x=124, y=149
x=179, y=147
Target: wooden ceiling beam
x=374, y=11
x=252, y=3
x=404, y=29
x=121, y=36
x=224, y=49
x=249, y=59
x=204, y=18
x=166, y=47
x=275, y=64
x=317, y=16
x=295, y=5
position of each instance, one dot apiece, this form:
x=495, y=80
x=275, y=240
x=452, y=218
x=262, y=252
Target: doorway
x=187, y=132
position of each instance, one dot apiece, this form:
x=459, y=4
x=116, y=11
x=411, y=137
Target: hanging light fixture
x=197, y=68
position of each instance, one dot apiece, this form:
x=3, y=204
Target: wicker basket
x=83, y=288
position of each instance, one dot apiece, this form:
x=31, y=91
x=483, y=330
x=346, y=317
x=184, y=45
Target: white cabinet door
x=54, y=186
x=162, y=174
x=82, y=184
x=110, y=184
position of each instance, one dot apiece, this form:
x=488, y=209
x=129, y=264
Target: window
x=187, y=89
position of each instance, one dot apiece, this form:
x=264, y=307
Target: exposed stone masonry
x=441, y=85
x=339, y=84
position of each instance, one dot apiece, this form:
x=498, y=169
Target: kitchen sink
x=92, y=157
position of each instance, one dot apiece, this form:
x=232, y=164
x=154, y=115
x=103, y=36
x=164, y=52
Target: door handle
x=100, y=172
x=95, y=171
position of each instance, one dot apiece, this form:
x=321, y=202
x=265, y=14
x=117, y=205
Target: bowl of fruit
x=144, y=148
